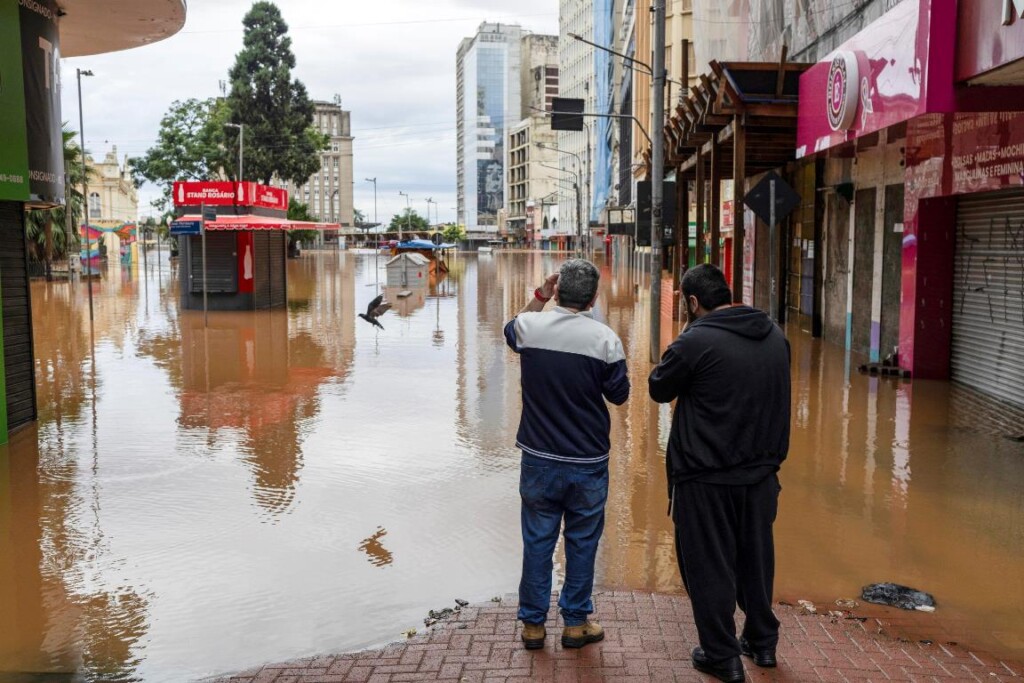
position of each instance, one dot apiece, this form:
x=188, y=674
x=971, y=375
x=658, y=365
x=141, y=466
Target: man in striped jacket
x=570, y=364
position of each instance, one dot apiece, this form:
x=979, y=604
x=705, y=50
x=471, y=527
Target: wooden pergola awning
x=759, y=96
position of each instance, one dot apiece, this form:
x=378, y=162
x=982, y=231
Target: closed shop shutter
x=261, y=285
x=17, y=317
x=988, y=303
x=221, y=263
x=278, y=266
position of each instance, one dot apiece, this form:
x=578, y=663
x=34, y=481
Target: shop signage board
x=14, y=183
x=211, y=193
x=41, y=80
x=897, y=68
x=990, y=35
x=181, y=227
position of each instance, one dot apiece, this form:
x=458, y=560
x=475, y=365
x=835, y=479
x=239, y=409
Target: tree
x=409, y=221
x=297, y=211
x=276, y=111
x=47, y=229
x=453, y=232
x=190, y=146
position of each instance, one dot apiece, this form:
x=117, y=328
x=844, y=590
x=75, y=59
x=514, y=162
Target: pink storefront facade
x=934, y=88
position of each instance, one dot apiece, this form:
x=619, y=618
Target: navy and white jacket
x=570, y=364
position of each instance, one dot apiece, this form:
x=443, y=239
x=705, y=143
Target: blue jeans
x=552, y=491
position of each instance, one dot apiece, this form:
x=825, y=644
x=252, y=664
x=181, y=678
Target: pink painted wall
x=984, y=43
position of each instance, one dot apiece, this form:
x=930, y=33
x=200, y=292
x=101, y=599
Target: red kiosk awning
x=251, y=222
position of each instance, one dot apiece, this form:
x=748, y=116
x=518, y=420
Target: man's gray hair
x=577, y=283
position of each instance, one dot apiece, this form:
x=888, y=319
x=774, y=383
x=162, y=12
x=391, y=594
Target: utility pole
x=85, y=188
x=408, y=216
x=376, y=247
x=657, y=172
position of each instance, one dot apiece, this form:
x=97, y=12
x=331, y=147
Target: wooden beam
x=739, y=174
x=780, y=82
x=699, y=185
x=716, y=202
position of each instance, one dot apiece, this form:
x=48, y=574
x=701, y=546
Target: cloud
x=392, y=62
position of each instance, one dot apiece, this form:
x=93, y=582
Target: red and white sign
x=842, y=90
x=226, y=193
x=254, y=194
x=216, y=193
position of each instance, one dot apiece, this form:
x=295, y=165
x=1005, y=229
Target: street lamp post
x=658, y=77
x=430, y=200
x=376, y=250
x=241, y=156
x=579, y=202
x=657, y=173
x=85, y=187
x=408, y=215
x=575, y=183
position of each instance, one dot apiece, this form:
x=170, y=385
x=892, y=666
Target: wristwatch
x=540, y=297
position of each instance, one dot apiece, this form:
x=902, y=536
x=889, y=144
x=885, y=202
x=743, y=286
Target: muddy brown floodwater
x=194, y=501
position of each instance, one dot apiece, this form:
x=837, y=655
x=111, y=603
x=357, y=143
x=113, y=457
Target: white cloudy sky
x=392, y=62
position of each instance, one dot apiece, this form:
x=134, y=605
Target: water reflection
x=196, y=499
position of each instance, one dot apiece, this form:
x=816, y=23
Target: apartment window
x=94, y=205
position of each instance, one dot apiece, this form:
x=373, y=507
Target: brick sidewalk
x=648, y=638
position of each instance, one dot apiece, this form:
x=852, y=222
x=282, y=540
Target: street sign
x=566, y=113
x=437, y=238
x=209, y=213
x=643, y=212
x=186, y=228
x=759, y=199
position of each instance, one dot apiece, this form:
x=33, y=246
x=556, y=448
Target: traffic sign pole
x=202, y=222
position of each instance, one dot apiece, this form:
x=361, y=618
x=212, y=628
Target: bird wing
x=382, y=309
x=374, y=304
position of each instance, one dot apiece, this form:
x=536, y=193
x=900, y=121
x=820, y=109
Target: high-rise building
x=488, y=101
x=586, y=73
x=328, y=192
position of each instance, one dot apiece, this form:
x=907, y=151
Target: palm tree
x=45, y=244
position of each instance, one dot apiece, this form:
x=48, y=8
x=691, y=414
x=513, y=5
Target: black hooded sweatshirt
x=729, y=371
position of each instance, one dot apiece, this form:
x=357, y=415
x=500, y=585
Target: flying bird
x=376, y=309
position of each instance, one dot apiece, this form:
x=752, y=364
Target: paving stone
x=648, y=639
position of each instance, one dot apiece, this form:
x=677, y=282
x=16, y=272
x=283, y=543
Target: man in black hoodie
x=729, y=373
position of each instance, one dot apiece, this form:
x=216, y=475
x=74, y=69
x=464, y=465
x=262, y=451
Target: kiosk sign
x=842, y=91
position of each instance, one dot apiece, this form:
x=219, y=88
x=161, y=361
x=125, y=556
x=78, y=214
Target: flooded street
x=195, y=500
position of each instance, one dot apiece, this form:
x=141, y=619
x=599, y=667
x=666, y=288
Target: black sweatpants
x=726, y=556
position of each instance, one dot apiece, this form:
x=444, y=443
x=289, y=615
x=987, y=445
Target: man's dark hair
x=707, y=283
x=577, y=283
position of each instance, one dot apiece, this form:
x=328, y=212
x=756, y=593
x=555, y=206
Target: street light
x=430, y=200
x=658, y=78
x=579, y=204
x=241, y=135
x=408, y=215
x=575, y=187
x=376, y=250
x=85, y=186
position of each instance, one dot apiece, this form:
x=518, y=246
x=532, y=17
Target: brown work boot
x=578, y=636
x=533, y=636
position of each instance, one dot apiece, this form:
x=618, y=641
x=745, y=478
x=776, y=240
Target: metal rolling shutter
x=221, y=263
x=17, y=317
x=278, y=268
x=261, y=283
x=988, y=304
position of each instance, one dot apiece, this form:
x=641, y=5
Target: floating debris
x=496, y=599
x=410, y=633
x=807, y=606
x=461, y=603
x=846, y=603
x=895, y=595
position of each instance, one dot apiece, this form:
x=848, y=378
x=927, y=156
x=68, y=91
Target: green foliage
x=190, y=146
x=297, y=211
x=46, y=229
x=408, y=221
x=276, y=111
x=453, y=232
